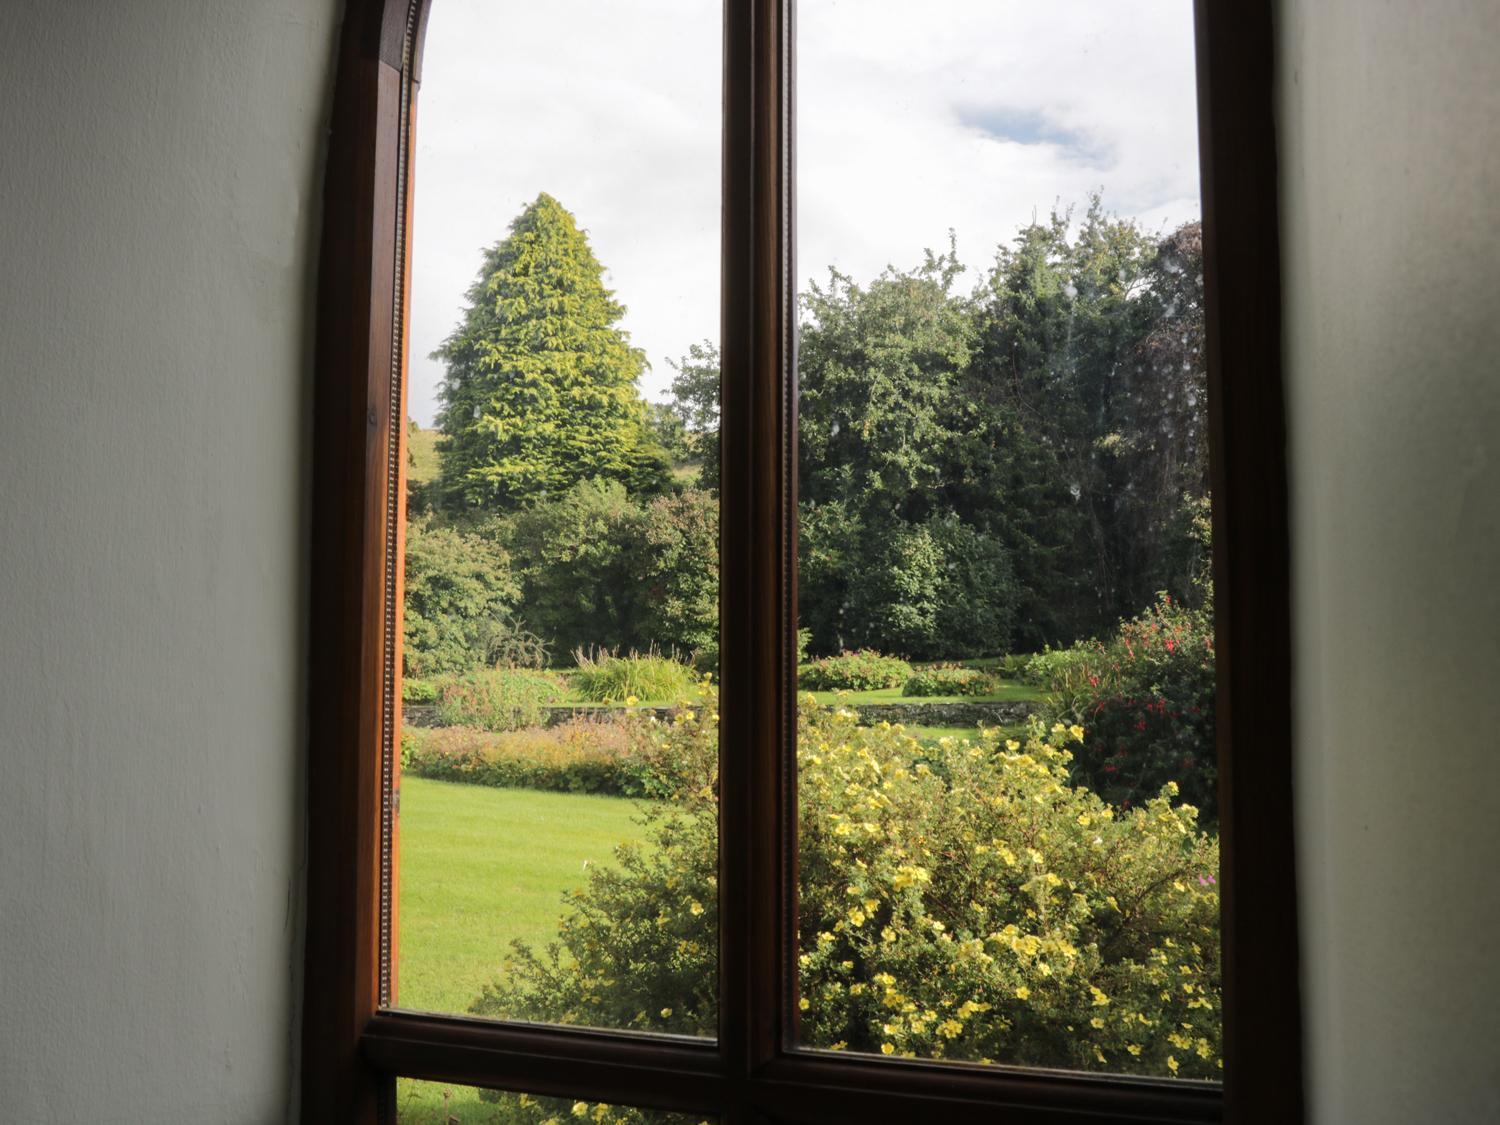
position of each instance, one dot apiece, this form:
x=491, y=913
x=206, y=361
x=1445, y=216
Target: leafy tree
x=890, y=561
x=460, y=594
x=577, y=586
x=876, y=367
x=669, y=432
x=1089, y=396
x=674, y=557
x=540, y=390
x=695, y=398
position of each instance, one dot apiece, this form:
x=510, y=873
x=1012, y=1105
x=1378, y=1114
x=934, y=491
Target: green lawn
x=480, y=867
x=423, y=465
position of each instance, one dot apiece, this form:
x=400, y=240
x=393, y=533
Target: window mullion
x=755, y=567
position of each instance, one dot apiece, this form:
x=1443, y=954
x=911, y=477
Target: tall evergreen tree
x=540, y=390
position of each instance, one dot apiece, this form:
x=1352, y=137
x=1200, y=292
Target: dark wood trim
x=756, y=566
x=663, y=1072
x=834, y=1088
x=1251, y=560
x=352, y=1049
x=354, y=416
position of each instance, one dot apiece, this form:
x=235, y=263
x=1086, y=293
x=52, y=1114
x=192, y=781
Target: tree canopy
x=540, y=388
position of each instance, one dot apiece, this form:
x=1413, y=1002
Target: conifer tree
x=540, y=390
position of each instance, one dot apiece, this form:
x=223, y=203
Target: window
x=357, y=1045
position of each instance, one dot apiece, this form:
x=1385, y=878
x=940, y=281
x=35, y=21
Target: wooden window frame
x=353, y=1047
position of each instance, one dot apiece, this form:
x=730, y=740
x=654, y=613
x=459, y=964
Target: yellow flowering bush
x=981, y=908
x=969, y=905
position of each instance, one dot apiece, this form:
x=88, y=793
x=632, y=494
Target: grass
x=640, y=675
x=481, y=867
x=424, y=464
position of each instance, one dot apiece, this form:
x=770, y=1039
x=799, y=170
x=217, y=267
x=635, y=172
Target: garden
x=1007, y=826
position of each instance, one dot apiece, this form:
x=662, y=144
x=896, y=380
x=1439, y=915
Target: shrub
x=950, y=679
x=1147, y=704
x=865, y=670
x=497, y=698
x=414, y=690
x=609, y=678
x=601, y=569
x=926, y=590
x=674, y=567
x=994, y=914
x=459, y=595
x=571, y=553
x=625, y=756
x=581, y=756
x=1062, y=669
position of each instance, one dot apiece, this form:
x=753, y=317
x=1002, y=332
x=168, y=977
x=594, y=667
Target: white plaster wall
x=1390, y=161
x=160, y=171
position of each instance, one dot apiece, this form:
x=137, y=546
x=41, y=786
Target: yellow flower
x=1012, y=745
x=666, y=1013
x=580, y=1109
x=1096, y=1022
x=1076, y=731
x=804, y=1004
x=1171, y=1064
x=887, y=1049
x=695, y=908
x=632, y=700
x=857, y=916
x=1023, y=993
x=1099, y=998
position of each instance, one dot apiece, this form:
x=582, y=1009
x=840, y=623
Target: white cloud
x=969, y=114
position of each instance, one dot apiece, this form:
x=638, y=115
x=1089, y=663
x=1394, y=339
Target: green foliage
x=1056, y=417
x=673, y=560
x=1088, y=396
x=418, y=691
x=497, y=699
x=667, y=430
x=695, y=399
x=540, y=385
x=1013, y=665
x=932, y=590
x=599, y=570
x=1146, y=701
x=608, y=677
x=582, y=756
x=574, y=569
x=853, y=671
x=950, y=679
x=990, y=913
x=887, y=562
x=460, y=594
x=620, y=756
x=1067, y=671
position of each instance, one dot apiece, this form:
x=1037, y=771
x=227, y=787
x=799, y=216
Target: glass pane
x=443, y=1103
x=1008, y=842
x=558, y=839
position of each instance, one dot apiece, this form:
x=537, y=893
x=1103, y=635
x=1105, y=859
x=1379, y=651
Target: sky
x=912, y=119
